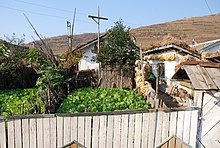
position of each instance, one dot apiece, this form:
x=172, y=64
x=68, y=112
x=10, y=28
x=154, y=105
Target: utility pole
x=69, y=34
x=97, y=20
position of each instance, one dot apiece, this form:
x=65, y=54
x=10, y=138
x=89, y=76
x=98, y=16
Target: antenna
x=73, y=23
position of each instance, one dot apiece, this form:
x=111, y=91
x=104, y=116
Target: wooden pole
x=156, y=102
x=98, y=23
x=142, y=65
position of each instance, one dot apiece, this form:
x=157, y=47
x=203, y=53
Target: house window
x=161, y=70
x=95, y=49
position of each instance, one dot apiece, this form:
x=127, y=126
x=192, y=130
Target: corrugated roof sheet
x=203, y=78
x=201, y=46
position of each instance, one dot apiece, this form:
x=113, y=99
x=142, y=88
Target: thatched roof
x=169, y=40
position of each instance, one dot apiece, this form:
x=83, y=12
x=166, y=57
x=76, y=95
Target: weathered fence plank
x=40, y=139
x=3, y=134
x=25, y=135
x=18, y=138
x=117, y=131
x=180, y=124
x=46, y=131
x=110, y=126
x=165, y=126
x=67, y=132
x=102, y=132
x=11, y=133
x=152, y=129
x=33, y=132
x=74, y=127
x=88, y=124
x=124, y=131
x=186, y=127
x=159, y=128
x=173, y=123
x=193, y=128
x=81, y=129
x=95, y=132
x=60, y=131
x=145, y=130
x=53, y=132
x=137, y=131
x=131, y=131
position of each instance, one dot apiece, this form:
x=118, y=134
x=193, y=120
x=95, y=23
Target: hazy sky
x=49, y=16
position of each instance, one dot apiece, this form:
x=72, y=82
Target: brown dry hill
x=200, y=29
x=59, y=44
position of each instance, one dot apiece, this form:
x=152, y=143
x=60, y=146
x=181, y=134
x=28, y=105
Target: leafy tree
x=14, y=39
x=118, y=48
x=51, y=88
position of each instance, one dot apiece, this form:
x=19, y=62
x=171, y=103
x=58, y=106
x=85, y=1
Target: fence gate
x=209, y=130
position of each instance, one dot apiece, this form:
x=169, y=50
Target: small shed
x=197, y=77
x=203, y=80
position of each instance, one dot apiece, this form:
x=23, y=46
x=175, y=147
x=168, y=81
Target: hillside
x=200, y=29
x=59, y=44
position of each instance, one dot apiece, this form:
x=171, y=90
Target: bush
x=102, y=100
x=17, y=102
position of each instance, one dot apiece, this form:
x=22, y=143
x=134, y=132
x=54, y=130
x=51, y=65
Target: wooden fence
x=123, y=129
x=115, y=77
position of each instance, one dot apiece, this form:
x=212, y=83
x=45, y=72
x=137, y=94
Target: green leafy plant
x=20, y=101
x=101, y=100
x=51, y=88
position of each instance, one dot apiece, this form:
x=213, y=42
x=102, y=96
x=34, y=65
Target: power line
x=48, y=7
x=208, y=7
x=67, y=11
x=44, y=6
x=60, y=17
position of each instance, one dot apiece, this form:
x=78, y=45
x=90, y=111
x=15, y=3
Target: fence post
x=2, y=132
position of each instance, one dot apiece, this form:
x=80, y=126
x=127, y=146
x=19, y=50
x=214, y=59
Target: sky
x=49, y=17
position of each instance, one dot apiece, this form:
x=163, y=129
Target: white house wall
x=169, y=67
x=86, y=61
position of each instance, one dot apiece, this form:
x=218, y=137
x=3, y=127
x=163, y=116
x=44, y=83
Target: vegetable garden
x=16, y=102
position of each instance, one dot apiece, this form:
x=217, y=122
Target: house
x=212, y=48
x=89, y=50
x=205, y=46
x=202, y=81
x=164, y=59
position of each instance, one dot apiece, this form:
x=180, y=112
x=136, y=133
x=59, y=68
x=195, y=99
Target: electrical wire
x=208, y=7
x=68, y=11
x=44, y=6
x=60, y=17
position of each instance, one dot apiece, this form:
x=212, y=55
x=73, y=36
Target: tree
x=118, y=48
